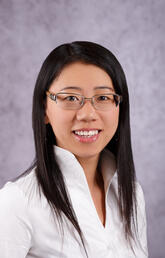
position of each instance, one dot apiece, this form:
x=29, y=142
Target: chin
x=86, y=154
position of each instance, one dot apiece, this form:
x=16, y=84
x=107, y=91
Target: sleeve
x=15, y=227
x=142, y=221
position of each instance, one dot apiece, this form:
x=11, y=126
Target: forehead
x=83, y=76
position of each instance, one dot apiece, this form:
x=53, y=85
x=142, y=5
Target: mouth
x=87, y=135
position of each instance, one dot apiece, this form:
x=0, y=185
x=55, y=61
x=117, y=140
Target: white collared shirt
x=28, y=228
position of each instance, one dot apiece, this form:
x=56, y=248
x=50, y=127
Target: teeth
x=87, y=133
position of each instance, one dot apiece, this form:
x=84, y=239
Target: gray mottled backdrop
x=134, y=31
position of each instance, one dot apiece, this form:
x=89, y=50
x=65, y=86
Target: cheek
x=60, y=121
x=112, y=121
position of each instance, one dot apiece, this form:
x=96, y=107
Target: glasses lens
x=69, y=100
x=105, y=101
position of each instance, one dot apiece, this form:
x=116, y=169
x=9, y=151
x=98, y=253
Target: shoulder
x=10, y=194
x=24, y=194
x=12, y=198
x=16, y=194
x=140, y=206
x=13, y=208
x=15, y=220
x=140, y=195
x=16, y=202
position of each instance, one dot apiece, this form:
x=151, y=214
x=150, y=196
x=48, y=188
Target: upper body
x=80, y=105
x=29, y=228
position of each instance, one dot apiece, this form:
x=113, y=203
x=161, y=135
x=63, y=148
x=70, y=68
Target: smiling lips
x=86, y=135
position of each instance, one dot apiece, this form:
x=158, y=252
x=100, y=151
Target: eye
x=103, y=98
x=71, y=98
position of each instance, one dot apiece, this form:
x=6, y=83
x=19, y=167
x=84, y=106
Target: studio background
x=134, y=32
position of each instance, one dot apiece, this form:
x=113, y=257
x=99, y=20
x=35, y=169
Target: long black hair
x=49, y=175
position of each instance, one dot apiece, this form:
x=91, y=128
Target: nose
x=87, y=112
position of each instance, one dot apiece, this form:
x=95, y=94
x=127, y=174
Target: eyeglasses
x=73, y=101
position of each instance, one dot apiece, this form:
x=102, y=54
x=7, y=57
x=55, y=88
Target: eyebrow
x=95, y=88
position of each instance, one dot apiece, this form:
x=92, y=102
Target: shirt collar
x=73, y=172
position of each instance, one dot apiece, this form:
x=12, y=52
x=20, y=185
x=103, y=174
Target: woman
x=80, y=198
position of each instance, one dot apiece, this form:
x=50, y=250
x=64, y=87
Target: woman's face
x=84, y=77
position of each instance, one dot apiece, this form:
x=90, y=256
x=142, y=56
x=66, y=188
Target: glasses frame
x=53, y=96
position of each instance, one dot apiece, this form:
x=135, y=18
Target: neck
x=90, y=167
